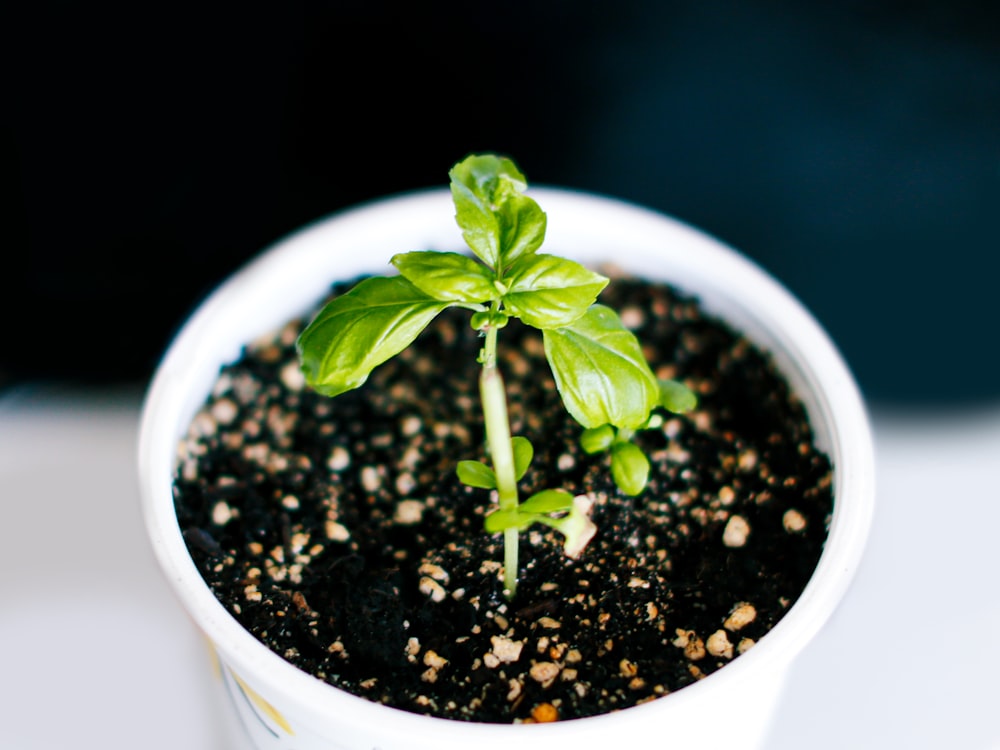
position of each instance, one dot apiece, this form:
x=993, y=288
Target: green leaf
x=476, y=474
x=359, y=330
x=573, y=523
x=677, y=397
x=501, y=520
x=484, y=319
x=547, y=501
x=522, y=227
x=600, y=371
x=487, y=175
x=597, y=439
x=449, y=277
x=629, y=468
x=524, y=451
x=498, y=221
x=546, y=291
x=479, y=225
x=479, y=183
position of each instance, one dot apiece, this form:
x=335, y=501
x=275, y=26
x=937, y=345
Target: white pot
x=283, y=707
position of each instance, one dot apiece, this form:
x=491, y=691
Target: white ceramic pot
x=283, y=707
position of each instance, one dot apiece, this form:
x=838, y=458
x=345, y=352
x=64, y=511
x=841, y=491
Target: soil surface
x=336, y=531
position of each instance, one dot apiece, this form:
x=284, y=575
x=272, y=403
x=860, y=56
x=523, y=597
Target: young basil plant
x=598, y=365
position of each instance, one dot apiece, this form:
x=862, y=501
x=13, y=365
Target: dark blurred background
x=851, y=148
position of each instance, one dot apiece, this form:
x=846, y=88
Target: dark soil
x=336, y=531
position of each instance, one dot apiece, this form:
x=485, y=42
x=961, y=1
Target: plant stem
x=494, y=400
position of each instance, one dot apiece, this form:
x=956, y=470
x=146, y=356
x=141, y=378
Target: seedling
x=597, y=363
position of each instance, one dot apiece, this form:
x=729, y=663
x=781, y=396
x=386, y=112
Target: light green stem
x=494, y=399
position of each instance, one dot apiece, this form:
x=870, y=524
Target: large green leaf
x=359, y=330
x=546, y=291
x=449, y=277
x=600, y=371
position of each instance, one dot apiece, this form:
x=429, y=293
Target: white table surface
x=95, y=653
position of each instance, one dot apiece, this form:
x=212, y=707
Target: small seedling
x=598, y=365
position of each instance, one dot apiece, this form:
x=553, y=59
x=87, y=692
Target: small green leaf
x=547, y=501
x=677, y=397
x=498, y=221
x=449, y=277
x=546, y=291
x=501, y=520
x=597, y=439
x=572, y=522
x=476, y=474
x=487, y=175
x=524, y=451
x=629, y=468
x=359, y=330
x=601, y=372
x=484, y=319
x=479, y=225
x=522, y=227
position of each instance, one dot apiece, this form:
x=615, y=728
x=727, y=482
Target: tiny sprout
x=629, y=465
x=599, y=369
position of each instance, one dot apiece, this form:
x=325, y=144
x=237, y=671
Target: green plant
x=598, y=365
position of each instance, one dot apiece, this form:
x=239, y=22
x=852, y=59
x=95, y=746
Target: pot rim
x=413, y=220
